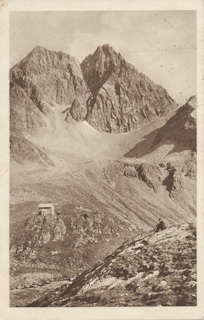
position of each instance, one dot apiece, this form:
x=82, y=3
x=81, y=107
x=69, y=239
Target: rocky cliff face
x=123, y=99
x=172, y=175
x=158, y=269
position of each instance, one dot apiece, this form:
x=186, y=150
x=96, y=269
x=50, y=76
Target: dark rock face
x=158, y=269
x=41, y=230
x=123, y=99
x=180, y=129
x=88, y=227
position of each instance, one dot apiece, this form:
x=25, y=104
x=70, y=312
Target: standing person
x=160, y=226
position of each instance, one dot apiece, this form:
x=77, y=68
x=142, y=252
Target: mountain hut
x=46, y=208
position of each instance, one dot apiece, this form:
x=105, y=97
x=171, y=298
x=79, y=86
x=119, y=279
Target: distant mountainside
x=106, y=91
x=157, y=269
x=123, y=99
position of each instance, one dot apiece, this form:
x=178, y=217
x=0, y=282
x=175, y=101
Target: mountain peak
x=192, y=102
x=107, y=46
x=42, y=50
x=38, y=48
x=109, y=51
x=106, y=50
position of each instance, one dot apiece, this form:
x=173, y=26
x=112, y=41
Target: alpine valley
x=113, y=152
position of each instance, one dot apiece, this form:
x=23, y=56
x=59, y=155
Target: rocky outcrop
x=170, y=174
x=78, y=109
x=123, y=99
x=148, y=172
x=157, y=269
x=43, y=229
x=70, y=242
x=88, y=226
x=40, y=234
x=25, y=117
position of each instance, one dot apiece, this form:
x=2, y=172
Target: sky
x=160, y=44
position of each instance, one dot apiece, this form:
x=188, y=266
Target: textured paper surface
x=92, y=313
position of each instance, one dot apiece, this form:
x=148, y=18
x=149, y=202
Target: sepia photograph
x=105, y=162
x=103, y=159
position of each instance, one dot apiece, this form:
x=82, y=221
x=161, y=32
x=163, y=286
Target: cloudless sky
x=161, y=44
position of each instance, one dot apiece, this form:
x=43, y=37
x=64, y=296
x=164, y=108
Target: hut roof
x=45, y=205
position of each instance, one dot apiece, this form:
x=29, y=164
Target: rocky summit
x=123, y=98
x=48, y=76
x=156, y=269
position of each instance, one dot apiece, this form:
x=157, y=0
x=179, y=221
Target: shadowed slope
x=167, y=157
x=179, y=133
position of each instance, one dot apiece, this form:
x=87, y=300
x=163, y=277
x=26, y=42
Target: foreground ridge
x=150, y=269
